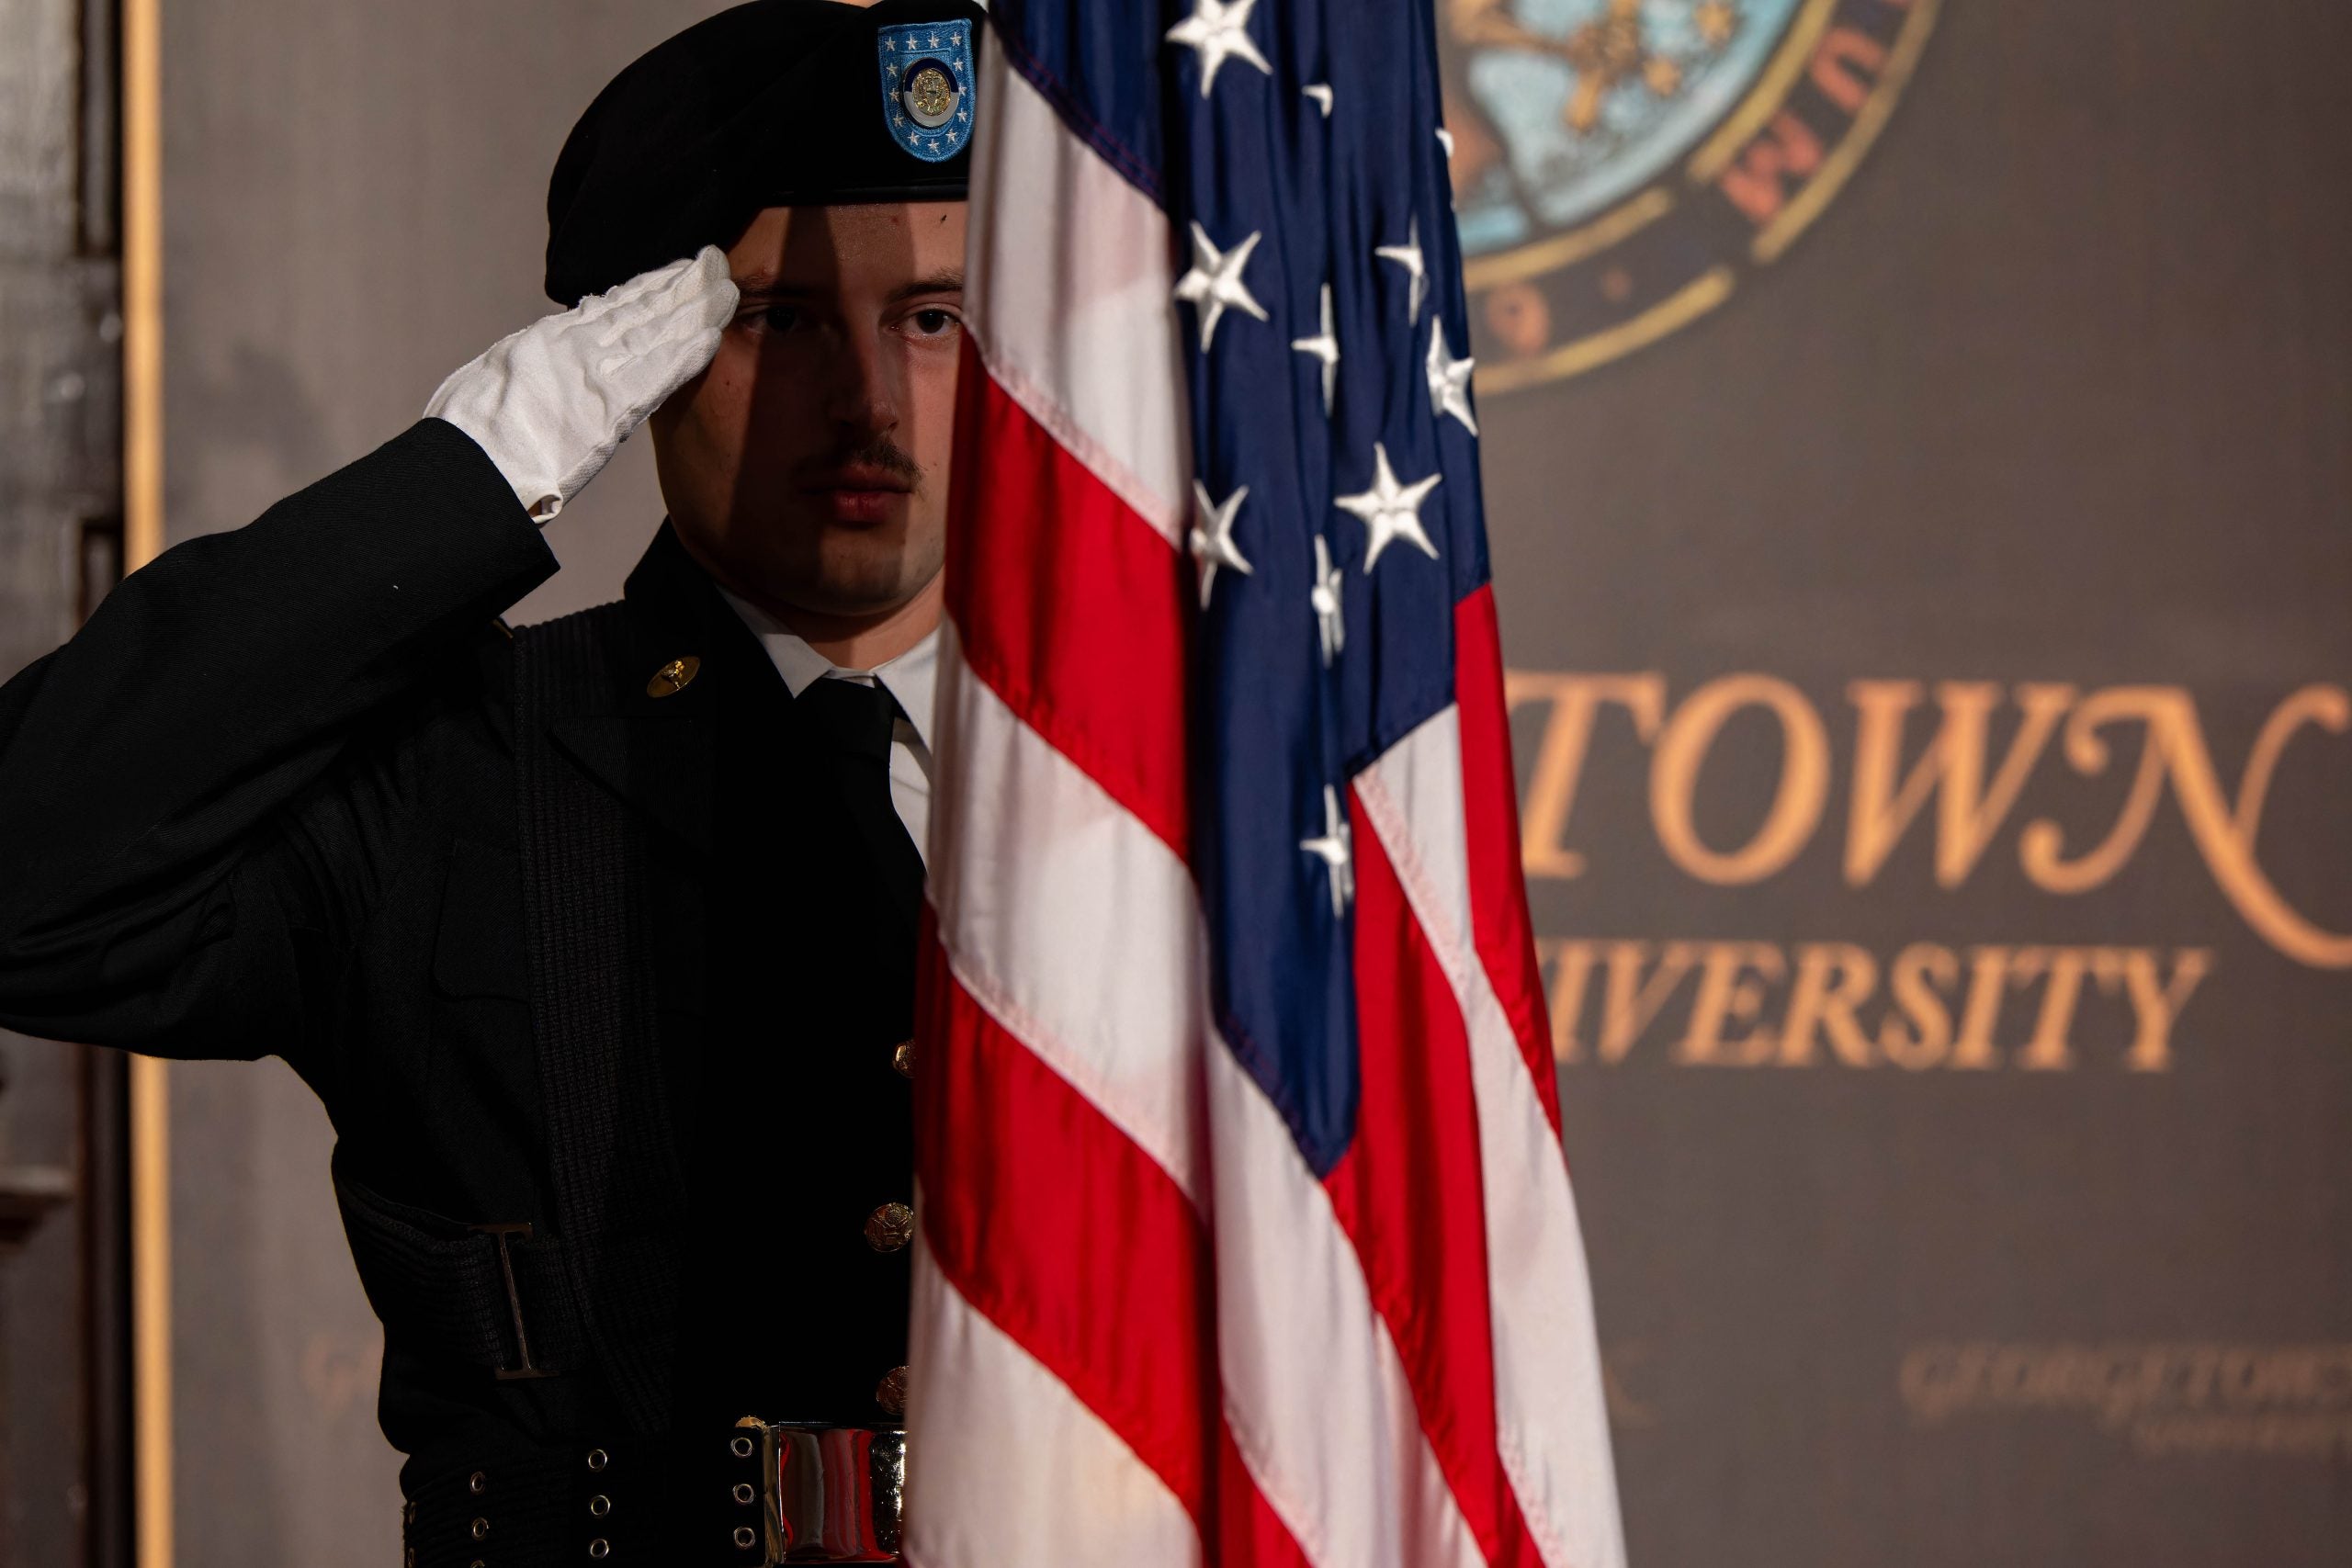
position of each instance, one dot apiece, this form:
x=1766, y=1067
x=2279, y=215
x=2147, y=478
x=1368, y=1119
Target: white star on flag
x=1213, y=543
x=1325, y=347
x=1331, y=848
x=1449, y=380
x=1216, y=31
x=1329, y=624
x=1215, y=282
x=1408, y=256
x=1390, y=511
x=1321, y=92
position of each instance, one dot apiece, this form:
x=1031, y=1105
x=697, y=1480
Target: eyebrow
x=765, y=284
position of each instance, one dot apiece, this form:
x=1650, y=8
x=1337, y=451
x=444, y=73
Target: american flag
x=1245, y=1233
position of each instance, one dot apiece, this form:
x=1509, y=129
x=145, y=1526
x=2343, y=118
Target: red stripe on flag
x=1498, y=919
x=1043, y=1215
x=1249, y=1534
x=1409, y=1194
x=1048, y=1219
x=1068, y=604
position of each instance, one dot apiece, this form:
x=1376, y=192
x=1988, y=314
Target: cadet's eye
x=934, y=323
x=776, y=317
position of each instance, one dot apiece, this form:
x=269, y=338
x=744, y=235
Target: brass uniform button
x=902, y=1059
x=890, y=1394
x=889, y=1227
x=674, y=677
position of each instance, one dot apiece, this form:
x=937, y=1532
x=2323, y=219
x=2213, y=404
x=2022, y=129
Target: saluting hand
x=551, y=403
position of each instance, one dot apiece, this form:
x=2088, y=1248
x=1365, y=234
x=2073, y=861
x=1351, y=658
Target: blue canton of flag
x=1337, y=482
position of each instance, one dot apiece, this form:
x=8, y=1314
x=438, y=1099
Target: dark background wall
x=62, y=1349
x=2055, y=393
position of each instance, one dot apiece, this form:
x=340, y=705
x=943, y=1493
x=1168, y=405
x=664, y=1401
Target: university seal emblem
x=1619, y=165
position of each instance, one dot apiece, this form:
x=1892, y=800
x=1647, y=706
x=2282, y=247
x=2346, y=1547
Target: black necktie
x=852, y=722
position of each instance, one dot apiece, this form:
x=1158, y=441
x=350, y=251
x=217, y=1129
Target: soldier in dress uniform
x=596, y=940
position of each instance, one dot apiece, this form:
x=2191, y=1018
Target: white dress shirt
x=908, y=678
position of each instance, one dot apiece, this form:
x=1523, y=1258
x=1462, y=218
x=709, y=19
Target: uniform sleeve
x=194, y=790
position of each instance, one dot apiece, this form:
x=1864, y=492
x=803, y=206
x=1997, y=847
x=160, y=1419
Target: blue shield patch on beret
x=927, y=97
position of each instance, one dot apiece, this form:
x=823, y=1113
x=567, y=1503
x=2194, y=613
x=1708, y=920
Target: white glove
x=553, y=403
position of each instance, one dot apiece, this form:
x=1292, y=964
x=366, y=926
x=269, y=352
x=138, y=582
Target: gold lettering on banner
x=2162, y=1399
x=1917, y=1032
x=2045, y=1009
x=1728, y=994
x=2156, y=1001
x=1796, y=806
x=1573, y=701
x=2224, y=830
x=1967, y=813
x=1833, y=979
x=1988, y=974
x=1974, y=796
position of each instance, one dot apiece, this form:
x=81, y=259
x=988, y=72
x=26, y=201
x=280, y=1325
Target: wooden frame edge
x=143, y=494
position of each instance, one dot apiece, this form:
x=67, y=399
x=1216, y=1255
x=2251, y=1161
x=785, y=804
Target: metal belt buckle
x=828, y=1494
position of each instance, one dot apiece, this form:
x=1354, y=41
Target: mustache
x=879, y=453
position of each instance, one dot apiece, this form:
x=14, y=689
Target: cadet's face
x=807, y=468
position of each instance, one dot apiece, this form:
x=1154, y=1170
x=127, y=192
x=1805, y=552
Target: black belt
x=763, y=1494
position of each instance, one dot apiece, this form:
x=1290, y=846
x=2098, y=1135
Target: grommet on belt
x=740, y=1448
x=598, y=1458
x=599, y=1505
x=479, y=1528
x=745, y=1537
x=600, y=1549
x=744, y=1495
x=477, y=1483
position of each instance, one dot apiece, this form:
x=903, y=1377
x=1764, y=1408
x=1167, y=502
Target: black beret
x=779, y=103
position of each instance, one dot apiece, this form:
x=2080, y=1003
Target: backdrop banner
x=1920, y=453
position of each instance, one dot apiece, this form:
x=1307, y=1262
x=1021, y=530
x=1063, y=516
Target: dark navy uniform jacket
x=266, y=805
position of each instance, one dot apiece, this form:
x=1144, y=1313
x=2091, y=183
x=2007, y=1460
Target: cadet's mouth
x=858, y=492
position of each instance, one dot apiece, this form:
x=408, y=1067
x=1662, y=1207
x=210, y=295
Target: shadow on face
x=807, y=468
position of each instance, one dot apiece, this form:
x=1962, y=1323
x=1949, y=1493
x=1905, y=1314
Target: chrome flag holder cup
x=824, y=1494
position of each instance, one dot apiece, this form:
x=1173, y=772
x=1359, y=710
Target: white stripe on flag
x=1549, y=1402
x=1069, y=921
x=1314, y=1391
x=1070, y=295
x=1068, y=1492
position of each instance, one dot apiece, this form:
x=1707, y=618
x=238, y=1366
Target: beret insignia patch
x=927, y=86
